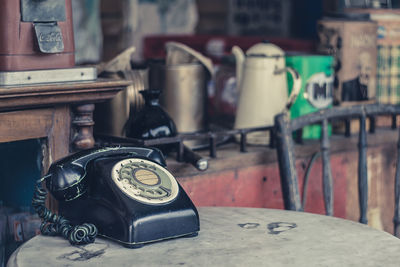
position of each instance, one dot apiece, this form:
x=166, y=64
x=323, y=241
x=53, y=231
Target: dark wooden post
x=213, y=146
x=362, y=171
x=287, y=166
x=243, y=141
x=396, y=219
x=83, y=126
x=327, y=182
x=180, y=151
x=394, y=121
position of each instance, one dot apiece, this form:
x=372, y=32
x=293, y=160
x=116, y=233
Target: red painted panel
x=256, y=186
x=209, y=189
x=259, y=186
x=314, y=202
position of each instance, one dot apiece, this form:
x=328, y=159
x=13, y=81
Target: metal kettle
x=262, y=85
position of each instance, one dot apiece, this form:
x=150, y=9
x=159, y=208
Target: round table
x=233, y=237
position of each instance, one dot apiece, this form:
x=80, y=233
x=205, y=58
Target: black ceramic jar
x=152, y=121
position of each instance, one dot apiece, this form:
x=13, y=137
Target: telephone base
x=126, y=193
x=191, y=235
x=140, y=245
x=133, y=246
x=131, y=230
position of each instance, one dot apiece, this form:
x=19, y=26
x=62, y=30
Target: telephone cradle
x=125, y=194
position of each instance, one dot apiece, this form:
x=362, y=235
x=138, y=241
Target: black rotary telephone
x=122, y=193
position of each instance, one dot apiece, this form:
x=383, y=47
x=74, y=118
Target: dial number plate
x=145, y=181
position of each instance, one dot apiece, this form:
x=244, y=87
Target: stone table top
x=233, y=237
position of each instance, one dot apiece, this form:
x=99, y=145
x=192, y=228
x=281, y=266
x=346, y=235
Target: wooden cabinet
x=60, y=115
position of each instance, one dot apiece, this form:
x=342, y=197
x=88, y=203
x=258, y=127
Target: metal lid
x=267, y=50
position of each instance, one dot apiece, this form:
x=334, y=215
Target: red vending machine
x=38, y=35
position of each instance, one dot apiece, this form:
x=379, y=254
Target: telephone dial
x=122, y=193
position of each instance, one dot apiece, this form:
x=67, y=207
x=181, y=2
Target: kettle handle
x=295, y=88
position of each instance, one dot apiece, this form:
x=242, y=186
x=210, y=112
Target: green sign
x=316, y=72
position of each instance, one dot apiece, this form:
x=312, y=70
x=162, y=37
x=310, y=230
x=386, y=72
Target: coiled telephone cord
x=53, y=224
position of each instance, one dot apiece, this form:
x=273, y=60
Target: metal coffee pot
x=262, y=85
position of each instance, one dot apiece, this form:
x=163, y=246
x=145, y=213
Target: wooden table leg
x=83, y=127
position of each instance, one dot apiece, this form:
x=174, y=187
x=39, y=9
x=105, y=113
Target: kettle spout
x=239, y=58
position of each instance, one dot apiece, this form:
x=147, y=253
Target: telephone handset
x=123, y=193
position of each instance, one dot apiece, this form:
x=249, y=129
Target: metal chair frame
x=284, y=127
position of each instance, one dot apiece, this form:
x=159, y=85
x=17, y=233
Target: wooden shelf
x=40, y=95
